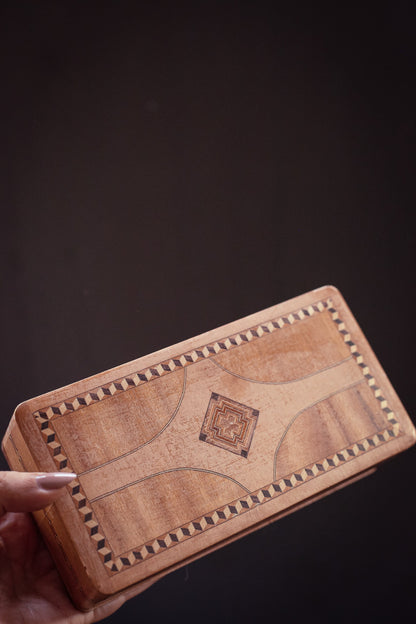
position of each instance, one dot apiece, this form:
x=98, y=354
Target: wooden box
x=181, y=451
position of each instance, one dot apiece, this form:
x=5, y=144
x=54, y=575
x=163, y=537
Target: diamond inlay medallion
x=229, y=424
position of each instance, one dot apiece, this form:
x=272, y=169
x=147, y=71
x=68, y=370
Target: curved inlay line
x=137, y=448
x=328, y=396
x=157, y=474
x=280, y=383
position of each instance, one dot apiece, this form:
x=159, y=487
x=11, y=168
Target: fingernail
x=55, y=480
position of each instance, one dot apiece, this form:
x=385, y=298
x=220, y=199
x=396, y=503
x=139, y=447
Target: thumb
x=28, y=491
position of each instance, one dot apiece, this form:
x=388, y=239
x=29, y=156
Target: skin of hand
x=31, y=590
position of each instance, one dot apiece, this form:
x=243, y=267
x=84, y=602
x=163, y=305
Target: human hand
x=31, y=590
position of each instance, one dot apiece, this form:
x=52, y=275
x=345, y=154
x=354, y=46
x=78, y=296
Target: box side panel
x=54, y=532
x=16, y=450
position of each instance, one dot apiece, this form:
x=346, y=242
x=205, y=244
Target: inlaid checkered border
x=115, y=564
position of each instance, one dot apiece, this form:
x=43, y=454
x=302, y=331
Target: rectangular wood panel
x=180, y=451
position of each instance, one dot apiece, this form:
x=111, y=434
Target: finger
x=106, y=609
x=28, y=491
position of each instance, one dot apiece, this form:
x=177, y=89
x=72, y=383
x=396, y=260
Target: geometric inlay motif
x=229, y=424
x=114, y=564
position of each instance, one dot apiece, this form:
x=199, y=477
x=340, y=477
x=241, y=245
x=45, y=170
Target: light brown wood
x=184, y=450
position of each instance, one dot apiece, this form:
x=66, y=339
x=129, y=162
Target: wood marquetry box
x=181, y=451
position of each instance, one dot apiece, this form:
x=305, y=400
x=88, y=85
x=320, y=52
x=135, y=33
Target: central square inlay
x=229, y=424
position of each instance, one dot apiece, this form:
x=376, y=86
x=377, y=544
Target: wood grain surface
x=183, y=450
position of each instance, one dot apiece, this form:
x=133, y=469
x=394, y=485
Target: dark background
x=170, y=167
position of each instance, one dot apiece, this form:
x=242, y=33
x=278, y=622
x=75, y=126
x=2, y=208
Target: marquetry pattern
x=229, y=425
x=114, y=563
